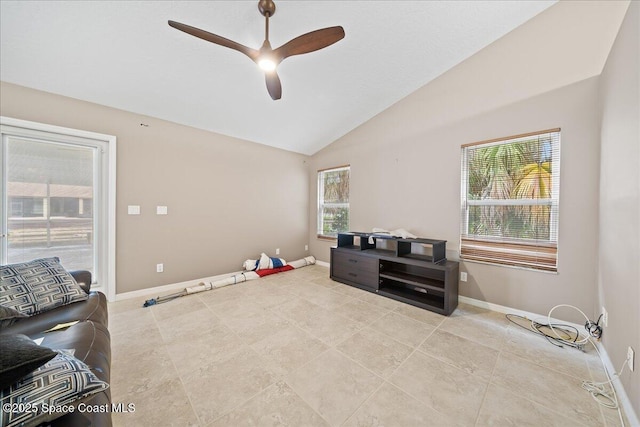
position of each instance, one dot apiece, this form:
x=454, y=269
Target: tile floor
x=298, y=349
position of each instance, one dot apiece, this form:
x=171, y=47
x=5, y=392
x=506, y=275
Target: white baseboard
x=154, y=291
x=171, y=287
x=623, y=398
x=508, y=310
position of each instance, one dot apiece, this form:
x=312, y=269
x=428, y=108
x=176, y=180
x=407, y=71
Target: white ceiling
x=124, y=55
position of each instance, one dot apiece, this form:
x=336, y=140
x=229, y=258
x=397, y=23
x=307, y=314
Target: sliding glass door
x=50, y=199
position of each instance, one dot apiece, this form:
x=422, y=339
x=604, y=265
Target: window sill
x=327, y=238
x=515, y=267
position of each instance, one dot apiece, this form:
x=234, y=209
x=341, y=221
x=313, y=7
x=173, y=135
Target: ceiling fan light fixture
x=267, y=64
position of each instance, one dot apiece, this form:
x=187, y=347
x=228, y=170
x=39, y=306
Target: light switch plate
x=133, y=210
x=161, y=210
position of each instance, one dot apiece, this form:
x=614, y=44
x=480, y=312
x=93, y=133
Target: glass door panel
x=49, y=198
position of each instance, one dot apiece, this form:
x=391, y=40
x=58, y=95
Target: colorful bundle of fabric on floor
x=265, y=262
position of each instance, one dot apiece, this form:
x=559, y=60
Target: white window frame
x=322, y=205
x=553, y=201
x=105, y=281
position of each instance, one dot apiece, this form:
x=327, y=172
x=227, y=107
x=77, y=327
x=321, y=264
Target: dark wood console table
x=391, y=267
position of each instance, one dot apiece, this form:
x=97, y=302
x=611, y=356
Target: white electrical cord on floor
x=580, y=342
x=597, y=389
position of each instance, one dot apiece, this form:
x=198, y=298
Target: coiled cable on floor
x=568, y=338
x=600, y=393
x=578, y=343
x=567, y=335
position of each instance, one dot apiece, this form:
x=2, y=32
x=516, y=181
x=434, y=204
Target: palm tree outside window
x=510, y=200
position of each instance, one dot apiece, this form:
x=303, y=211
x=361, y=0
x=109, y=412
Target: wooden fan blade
x=273, y=85
x=310, y=42
x=213, y=38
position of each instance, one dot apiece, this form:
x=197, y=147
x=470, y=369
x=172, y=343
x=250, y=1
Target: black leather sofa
x=89, y=339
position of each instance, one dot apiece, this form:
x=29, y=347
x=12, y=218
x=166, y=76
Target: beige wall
x=228, y=199
x=414, y=183
x=567, y=43
x=406, y=161
x=619, y=254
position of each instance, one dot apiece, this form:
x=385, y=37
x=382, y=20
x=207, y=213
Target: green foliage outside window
x=334, y=201
x=510, y=171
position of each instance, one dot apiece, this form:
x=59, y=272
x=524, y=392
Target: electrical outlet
x=630, y=356
x=159, y=268
x=605, y=316
x=463, y=276
x=278, y=251
x=306, y=247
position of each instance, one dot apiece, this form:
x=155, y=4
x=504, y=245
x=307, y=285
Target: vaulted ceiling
x=124, y=55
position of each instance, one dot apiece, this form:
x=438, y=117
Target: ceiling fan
x=266, y=57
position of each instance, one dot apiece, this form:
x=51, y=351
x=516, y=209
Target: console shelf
x=426, y=280
x=420, y=282
x=426, y=301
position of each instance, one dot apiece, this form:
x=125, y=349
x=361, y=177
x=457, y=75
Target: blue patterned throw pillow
x=37, y=286
x=48, y=392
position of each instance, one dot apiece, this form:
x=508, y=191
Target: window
x=333, y=201
x=57, y=198
x=510, y=191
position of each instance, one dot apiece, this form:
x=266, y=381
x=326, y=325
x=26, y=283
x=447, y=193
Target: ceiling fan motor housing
x=267, y=7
